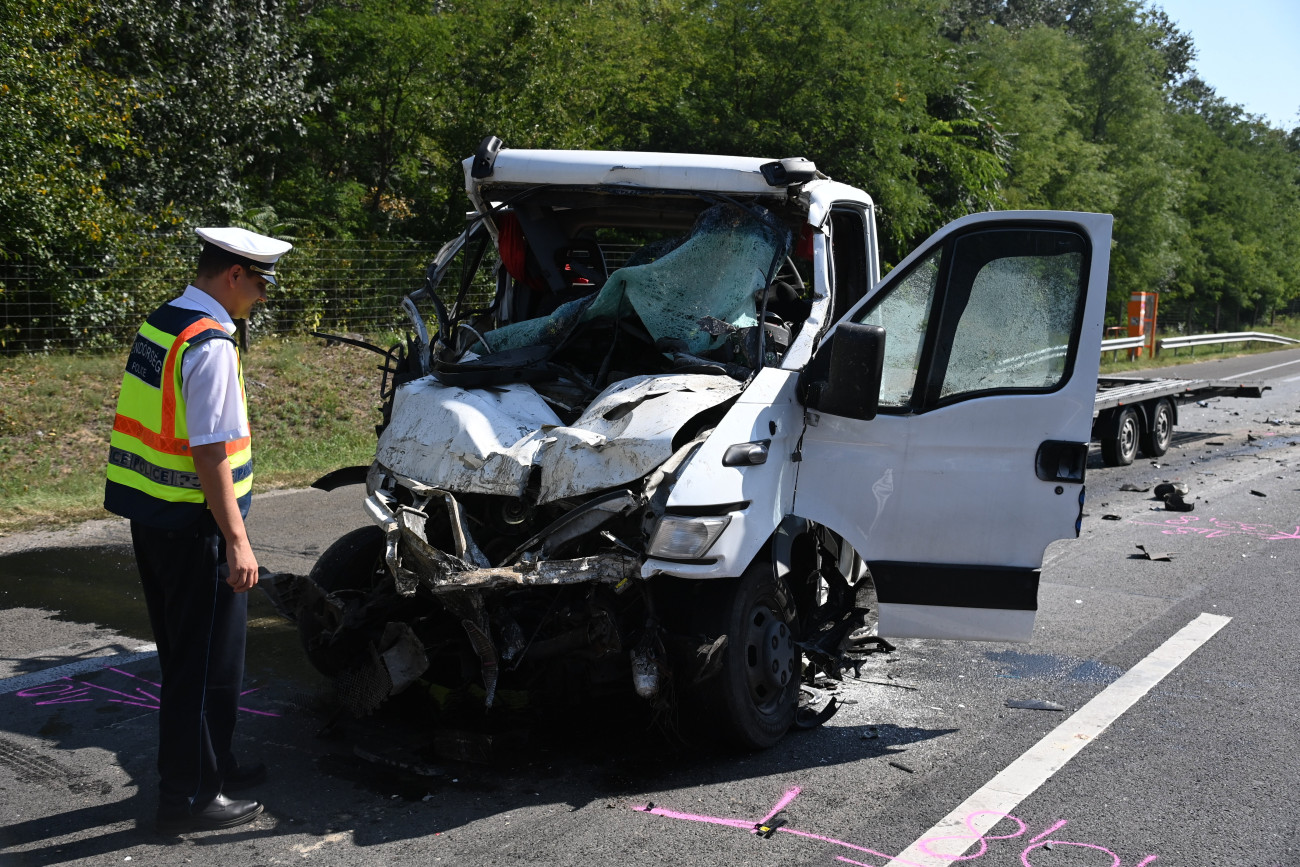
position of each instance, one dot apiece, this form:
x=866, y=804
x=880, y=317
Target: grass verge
x=313, y=409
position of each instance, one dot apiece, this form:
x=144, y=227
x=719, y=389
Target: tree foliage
x=62, y=126
x=1241, y=207
x=214, y=80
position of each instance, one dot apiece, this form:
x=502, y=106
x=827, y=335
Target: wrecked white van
x=660, y=418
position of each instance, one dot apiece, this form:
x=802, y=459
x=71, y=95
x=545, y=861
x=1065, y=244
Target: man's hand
x=214, y=477
x=243, y=565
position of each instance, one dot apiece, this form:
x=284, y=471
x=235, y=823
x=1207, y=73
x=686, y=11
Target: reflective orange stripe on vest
x=166, y=444
x=169, y=373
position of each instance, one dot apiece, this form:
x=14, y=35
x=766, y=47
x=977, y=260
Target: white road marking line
x=49, y=656
x=1023, y=776
x=1262, y=369
x=1291, y=379
x=94, y=663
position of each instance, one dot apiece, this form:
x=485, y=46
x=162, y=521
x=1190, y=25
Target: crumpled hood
x=488, y=440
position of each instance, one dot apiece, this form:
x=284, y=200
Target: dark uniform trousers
x=199, y=625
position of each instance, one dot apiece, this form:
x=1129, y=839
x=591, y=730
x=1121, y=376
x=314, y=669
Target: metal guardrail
x=1123, y=343
x=1176, y=343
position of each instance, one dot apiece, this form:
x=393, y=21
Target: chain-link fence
x=336, y=286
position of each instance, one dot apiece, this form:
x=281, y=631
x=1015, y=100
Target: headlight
x=682, y=538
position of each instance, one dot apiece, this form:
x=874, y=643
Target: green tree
x=1031, y=79
x=215, y=79
x=1082, y=89
x=62, y=126
x=866, y=87
x=361, y=165
x=1242, y=204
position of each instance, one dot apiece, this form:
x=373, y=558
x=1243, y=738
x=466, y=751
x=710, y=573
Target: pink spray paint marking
x=977, y=836
x=78, y=691
x=780, y=805
x=1214, y=528
x=1038, y=842
x=752, y=827
x=68, y=690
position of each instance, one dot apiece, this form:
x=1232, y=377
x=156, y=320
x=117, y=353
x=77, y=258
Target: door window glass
x=1006, y=315
x=905, y=315
x=1015, y=327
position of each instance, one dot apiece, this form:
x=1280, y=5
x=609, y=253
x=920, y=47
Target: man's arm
x=219, y=489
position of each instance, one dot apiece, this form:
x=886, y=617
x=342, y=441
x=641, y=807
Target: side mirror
x=851, y=367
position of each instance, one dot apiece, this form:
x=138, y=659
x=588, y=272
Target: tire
x=355, y=562
x=352, y=562
x=1159, y=433
x=1120, y=444
x=752, y=702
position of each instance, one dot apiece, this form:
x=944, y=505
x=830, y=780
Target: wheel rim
x=769, y=655
x=1163, y=426
x=1128, y=435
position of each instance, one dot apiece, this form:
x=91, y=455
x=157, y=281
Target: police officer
x=180, y=467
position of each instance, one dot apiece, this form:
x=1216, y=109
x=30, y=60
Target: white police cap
x=258, y=252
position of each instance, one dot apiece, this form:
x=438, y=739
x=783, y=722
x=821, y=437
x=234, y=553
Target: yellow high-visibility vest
x=151, y=474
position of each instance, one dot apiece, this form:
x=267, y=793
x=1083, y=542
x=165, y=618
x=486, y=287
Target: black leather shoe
x=220, y=813
x=244, y=778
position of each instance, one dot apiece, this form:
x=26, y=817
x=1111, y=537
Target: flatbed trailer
x=1133, y=412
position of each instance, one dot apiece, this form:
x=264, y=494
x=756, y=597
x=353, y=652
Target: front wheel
x=353, y=564
x=755, y=696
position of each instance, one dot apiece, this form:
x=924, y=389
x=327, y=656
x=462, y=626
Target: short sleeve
x=214, y=407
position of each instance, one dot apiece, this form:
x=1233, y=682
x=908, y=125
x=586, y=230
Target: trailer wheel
x=756, y=694
x=1157, y=436
x=1120, y=444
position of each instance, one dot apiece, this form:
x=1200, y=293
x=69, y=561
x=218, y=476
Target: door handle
x=1059, y=461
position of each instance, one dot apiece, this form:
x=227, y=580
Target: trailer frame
x=1132, y=413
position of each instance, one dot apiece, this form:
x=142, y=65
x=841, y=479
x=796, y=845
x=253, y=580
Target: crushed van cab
x=660, y=418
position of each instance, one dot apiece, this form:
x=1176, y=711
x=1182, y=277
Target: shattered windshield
x=677, y=290
x=575, y=290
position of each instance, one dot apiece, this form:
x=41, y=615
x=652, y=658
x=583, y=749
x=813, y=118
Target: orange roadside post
x=1142, y=321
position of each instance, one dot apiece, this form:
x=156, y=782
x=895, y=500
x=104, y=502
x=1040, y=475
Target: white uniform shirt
x=214, y=408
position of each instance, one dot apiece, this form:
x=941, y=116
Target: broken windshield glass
x=713, y=274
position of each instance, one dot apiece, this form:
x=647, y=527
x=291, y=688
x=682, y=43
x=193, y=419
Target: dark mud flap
x=341, y=478
x=285, y=591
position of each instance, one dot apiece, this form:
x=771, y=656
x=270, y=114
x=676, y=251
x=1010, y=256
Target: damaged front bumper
x=414, y=562
x=383, y=654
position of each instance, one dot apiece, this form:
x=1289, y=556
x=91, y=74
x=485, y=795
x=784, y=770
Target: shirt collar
x=196, y=299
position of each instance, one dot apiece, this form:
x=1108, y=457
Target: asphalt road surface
x=1176, y=683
